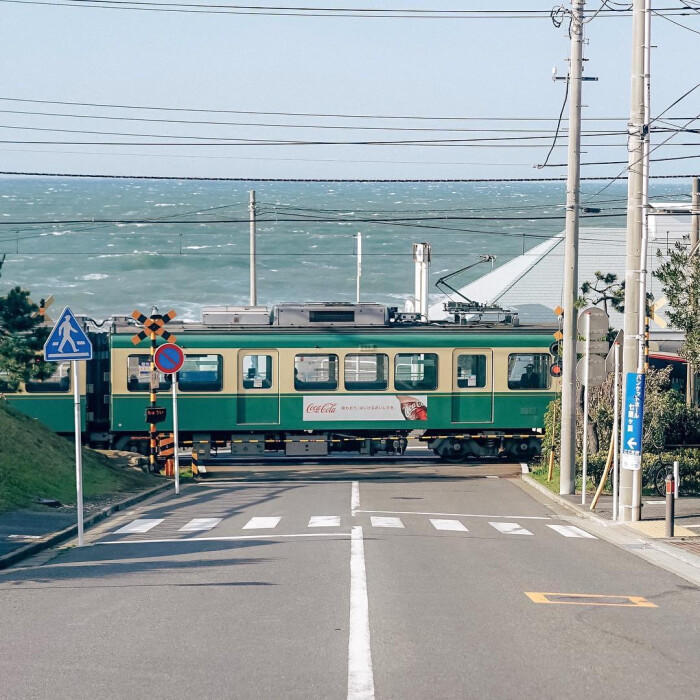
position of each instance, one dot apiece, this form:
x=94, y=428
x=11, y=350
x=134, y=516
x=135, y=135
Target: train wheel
x=453, y=452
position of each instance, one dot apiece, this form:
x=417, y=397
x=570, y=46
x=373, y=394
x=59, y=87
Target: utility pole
x=694, y=240
x=630, y=481
x=253, y=278
x=359, y=267
x=568, y=398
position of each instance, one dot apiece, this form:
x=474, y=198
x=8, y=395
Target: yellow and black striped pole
x=646, y=344
x=152, y=426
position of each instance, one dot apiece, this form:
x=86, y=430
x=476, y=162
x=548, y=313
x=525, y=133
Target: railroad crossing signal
x=43, y=306
x=153, y=325
x=654, y=312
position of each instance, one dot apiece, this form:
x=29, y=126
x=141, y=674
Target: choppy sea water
x=189, y=247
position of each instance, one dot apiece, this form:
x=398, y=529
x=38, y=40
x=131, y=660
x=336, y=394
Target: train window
x=138, y=372
x=471, y=371
x=257, y=371
x=366, y=372
x=316, y=372
x=59, y=381
x=528, y=370
x=415, y=371
x=7, y=384
x=201, y=373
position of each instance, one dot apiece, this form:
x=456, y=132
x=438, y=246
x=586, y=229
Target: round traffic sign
x=169, y=358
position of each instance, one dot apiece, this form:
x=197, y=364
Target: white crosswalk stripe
x=324, y=521
x=510, y=528
x=261, y=523
x=385, y=522
x=572, y=531
x=199, y=524
x=453, y=525
x=136, y=526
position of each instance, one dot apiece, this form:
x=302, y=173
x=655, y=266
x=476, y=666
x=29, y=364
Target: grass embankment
x=37, y=463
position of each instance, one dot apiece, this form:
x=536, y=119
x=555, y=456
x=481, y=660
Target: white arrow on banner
x=632, y=444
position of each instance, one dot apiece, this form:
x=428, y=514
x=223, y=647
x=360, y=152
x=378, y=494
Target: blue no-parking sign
x=632, y=421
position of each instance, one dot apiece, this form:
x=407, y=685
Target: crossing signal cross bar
x=154, y=324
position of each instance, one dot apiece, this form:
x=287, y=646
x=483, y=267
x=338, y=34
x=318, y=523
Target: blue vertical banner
x=632, y=421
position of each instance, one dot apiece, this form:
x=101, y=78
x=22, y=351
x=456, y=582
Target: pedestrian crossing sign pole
x=68, y=341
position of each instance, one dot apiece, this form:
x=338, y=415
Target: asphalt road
x=398, y=588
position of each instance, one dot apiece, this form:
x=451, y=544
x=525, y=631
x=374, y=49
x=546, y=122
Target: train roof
x=343, y=318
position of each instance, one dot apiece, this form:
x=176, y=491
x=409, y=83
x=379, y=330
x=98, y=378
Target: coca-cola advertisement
x=362, y=408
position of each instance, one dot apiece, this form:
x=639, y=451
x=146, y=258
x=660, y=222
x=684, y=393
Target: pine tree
x=22, y=338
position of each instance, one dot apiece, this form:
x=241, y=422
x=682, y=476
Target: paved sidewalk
x=26, y=532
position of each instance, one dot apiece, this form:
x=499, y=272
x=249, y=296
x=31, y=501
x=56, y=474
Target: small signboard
x=169, y=358
x=599, y=323
x=596, y=370
x=632, y=421
x=155, y=414
x=67, y=340
x=595, y=347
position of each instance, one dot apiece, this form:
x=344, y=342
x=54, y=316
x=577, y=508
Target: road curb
x=563, y=502
x=11, y=558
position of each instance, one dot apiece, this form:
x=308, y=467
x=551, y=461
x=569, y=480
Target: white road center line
x=261, y=523
x=197, y=524
x=324, y=521
x=572, y=531
x=448, y=525
x=355, y=498
x=510, y=528
x=386, y=522
x=360, y=675
x=143, y=525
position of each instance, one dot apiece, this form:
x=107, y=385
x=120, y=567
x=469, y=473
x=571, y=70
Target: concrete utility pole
x=694, y=240
x=568, y=390
x=630, y=483
x=253, y=278
x=358, y=276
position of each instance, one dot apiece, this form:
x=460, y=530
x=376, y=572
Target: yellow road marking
x=630, y=601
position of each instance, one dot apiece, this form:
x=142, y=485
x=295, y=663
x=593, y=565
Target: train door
x=472, y=385
x=258, y=399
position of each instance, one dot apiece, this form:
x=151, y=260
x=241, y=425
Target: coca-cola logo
x=327, y=407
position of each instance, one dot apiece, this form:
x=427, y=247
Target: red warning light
x=555, y=369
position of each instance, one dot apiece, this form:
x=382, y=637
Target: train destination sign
x=155, y=414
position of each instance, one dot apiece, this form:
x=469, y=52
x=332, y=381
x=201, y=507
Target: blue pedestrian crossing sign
x=67, y=340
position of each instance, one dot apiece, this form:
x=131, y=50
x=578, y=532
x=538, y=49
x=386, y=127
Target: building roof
x=532, y=283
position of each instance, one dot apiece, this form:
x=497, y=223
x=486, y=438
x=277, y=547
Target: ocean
x=183, y=244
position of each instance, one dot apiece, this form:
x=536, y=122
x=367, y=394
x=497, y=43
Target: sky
x=482, y=73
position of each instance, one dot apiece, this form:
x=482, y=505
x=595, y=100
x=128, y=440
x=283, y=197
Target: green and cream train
x=314, y=379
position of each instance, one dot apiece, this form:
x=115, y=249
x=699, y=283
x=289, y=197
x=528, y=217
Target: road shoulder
x=681, y=563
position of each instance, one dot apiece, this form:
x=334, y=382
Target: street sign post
x=632, y=421
x=169, y=359
x=68, y=341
